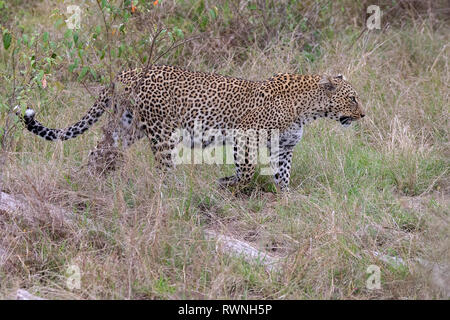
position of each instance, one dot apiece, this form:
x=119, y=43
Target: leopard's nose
x=362, y=115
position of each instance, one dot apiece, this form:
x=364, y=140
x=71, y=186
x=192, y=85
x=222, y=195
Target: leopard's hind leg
x=245, y=154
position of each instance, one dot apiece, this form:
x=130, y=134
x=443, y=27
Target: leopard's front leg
x=281, y=155
x=281, y=168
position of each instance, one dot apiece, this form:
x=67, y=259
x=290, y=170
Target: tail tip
x=29, y=113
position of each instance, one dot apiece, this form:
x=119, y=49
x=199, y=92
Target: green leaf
x=178, y=32
x=81, y=53
x=75, y=38
x=25, y=40
x=121, y=49
x=212, y=13
x=94, y=74
x=58, y=23
x=45, y=37
x=6, y=40
x=126, y=16
x=83, y=73
x=68, y=34
x=73, y=66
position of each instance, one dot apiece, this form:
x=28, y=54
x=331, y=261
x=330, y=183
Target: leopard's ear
x=341, y=77
x=326, y=84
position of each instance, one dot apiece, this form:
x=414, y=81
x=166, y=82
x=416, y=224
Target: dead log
x=36, y=212
x=25, y=295
x=237, y=248
x=33, y=210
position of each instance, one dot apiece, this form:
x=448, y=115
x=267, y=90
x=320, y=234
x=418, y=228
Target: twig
x=152, y=46
x=87, y=89
x=176, y=45
x=107, y=40
x=356, y=40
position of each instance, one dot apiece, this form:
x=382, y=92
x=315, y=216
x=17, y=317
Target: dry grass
x=382, y=185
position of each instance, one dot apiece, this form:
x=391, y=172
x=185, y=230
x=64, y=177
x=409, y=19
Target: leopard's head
x=342, y=101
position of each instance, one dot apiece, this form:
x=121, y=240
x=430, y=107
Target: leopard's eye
x=353, y=98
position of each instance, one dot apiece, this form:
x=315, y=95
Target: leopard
x=157, y=100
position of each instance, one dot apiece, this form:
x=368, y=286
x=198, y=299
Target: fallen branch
x=35, y=212
x=237, y=248
x=33, y=208
x=25, y=295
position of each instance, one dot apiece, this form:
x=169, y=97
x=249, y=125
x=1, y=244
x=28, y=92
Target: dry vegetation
x=381, y=186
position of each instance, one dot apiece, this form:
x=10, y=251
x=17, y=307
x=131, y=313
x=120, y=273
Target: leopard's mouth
x=346, y=121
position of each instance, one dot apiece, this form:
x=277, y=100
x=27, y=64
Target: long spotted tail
x=91, y=117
